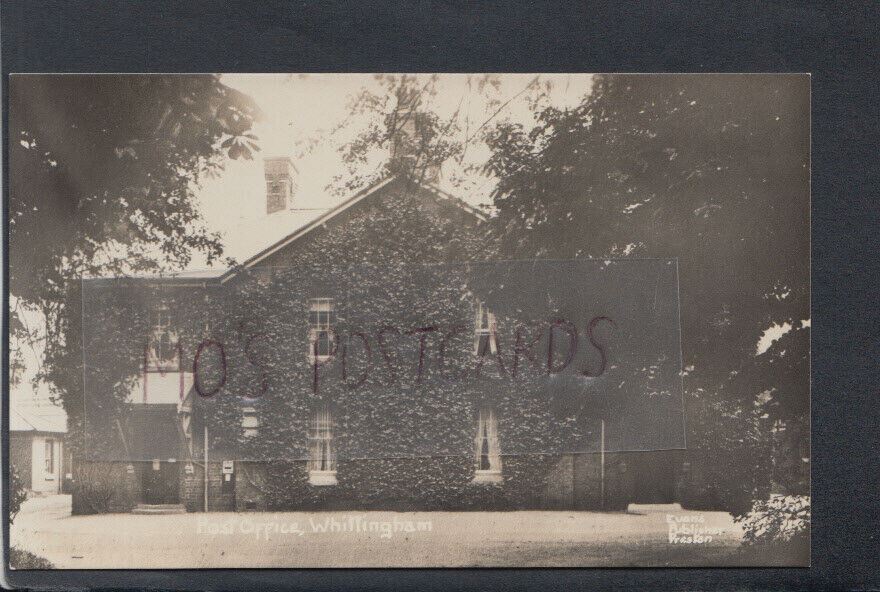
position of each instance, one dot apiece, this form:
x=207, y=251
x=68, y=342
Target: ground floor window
x=322, y=456
x=488, y=450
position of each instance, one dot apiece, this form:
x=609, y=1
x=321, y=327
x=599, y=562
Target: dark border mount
x=836, y=44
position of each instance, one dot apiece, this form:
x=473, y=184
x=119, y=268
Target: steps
x=159, y=509
x=643, y=509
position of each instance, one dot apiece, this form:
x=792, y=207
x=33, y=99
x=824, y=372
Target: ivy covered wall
x=403, y=384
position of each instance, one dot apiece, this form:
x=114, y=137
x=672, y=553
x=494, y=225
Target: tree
x=103, y=175
x=448, y=132
x=712, y=170
x=107, y=166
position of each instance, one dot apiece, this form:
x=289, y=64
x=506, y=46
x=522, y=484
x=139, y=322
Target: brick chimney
x=411, y=150
x=280, y=183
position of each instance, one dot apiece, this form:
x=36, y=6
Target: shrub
x=780, y=519
x=777, y=532
x=17, y=492
x=21, y=559
x=95, y=487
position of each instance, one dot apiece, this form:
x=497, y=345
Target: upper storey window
x=163, y=350
x=322, y=317
x=485, y=330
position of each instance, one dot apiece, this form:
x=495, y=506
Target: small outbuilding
x=36, y=450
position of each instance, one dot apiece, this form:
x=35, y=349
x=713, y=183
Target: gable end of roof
x=345, y=205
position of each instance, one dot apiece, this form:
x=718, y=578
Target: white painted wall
x=158, y=387
x=41, y=480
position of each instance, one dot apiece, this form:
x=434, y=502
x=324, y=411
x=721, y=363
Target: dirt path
x=363, y=539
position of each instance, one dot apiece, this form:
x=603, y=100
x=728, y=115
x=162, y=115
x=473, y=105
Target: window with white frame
x=487, y=448
x=163, y=340
x=322, y=317
x=50, y=457
x=322, y=456
x=485, y=331
x=250, y=422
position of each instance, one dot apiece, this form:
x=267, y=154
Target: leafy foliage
x=107, y=167
x=732, y=450
x=411, y=115
x=712, y=170
x=97, y=487
x=17, y=492
x=103, y=173
x=779, y=520
x=21, y=559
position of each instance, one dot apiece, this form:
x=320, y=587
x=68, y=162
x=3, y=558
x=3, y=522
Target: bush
x=730, y=454
x=97, y=487
x=777, y=531
x=782, y=518
x=17, y=492
x=21, y=559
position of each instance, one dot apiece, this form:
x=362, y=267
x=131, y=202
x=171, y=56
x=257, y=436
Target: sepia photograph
x=408, y=320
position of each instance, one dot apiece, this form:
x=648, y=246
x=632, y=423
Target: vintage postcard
x=429, y=320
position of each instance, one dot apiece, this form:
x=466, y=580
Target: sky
x=307, y=117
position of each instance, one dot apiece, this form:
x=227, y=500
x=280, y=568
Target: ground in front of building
x=46, y=528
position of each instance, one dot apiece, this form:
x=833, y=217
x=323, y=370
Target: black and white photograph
x=409, y=320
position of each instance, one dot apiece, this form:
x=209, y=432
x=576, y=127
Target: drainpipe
x=602, y=466
x=206, y=468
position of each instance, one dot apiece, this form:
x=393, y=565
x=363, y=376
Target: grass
x=21, y=559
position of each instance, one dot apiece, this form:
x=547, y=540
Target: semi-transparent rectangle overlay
x=384, y=361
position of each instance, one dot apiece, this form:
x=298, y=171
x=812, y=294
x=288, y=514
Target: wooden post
x=206, y=468
x=602, y=466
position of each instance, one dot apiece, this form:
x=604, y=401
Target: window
x=50, y=457
x=322, y=457
x=485, y=329
x=322, y=317
x=488, y=452
x=250, y=422
x=163, y=341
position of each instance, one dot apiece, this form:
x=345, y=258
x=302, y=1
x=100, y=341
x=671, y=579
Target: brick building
x=174, y=426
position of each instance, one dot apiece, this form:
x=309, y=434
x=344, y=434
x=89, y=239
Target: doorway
x=160, y=482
